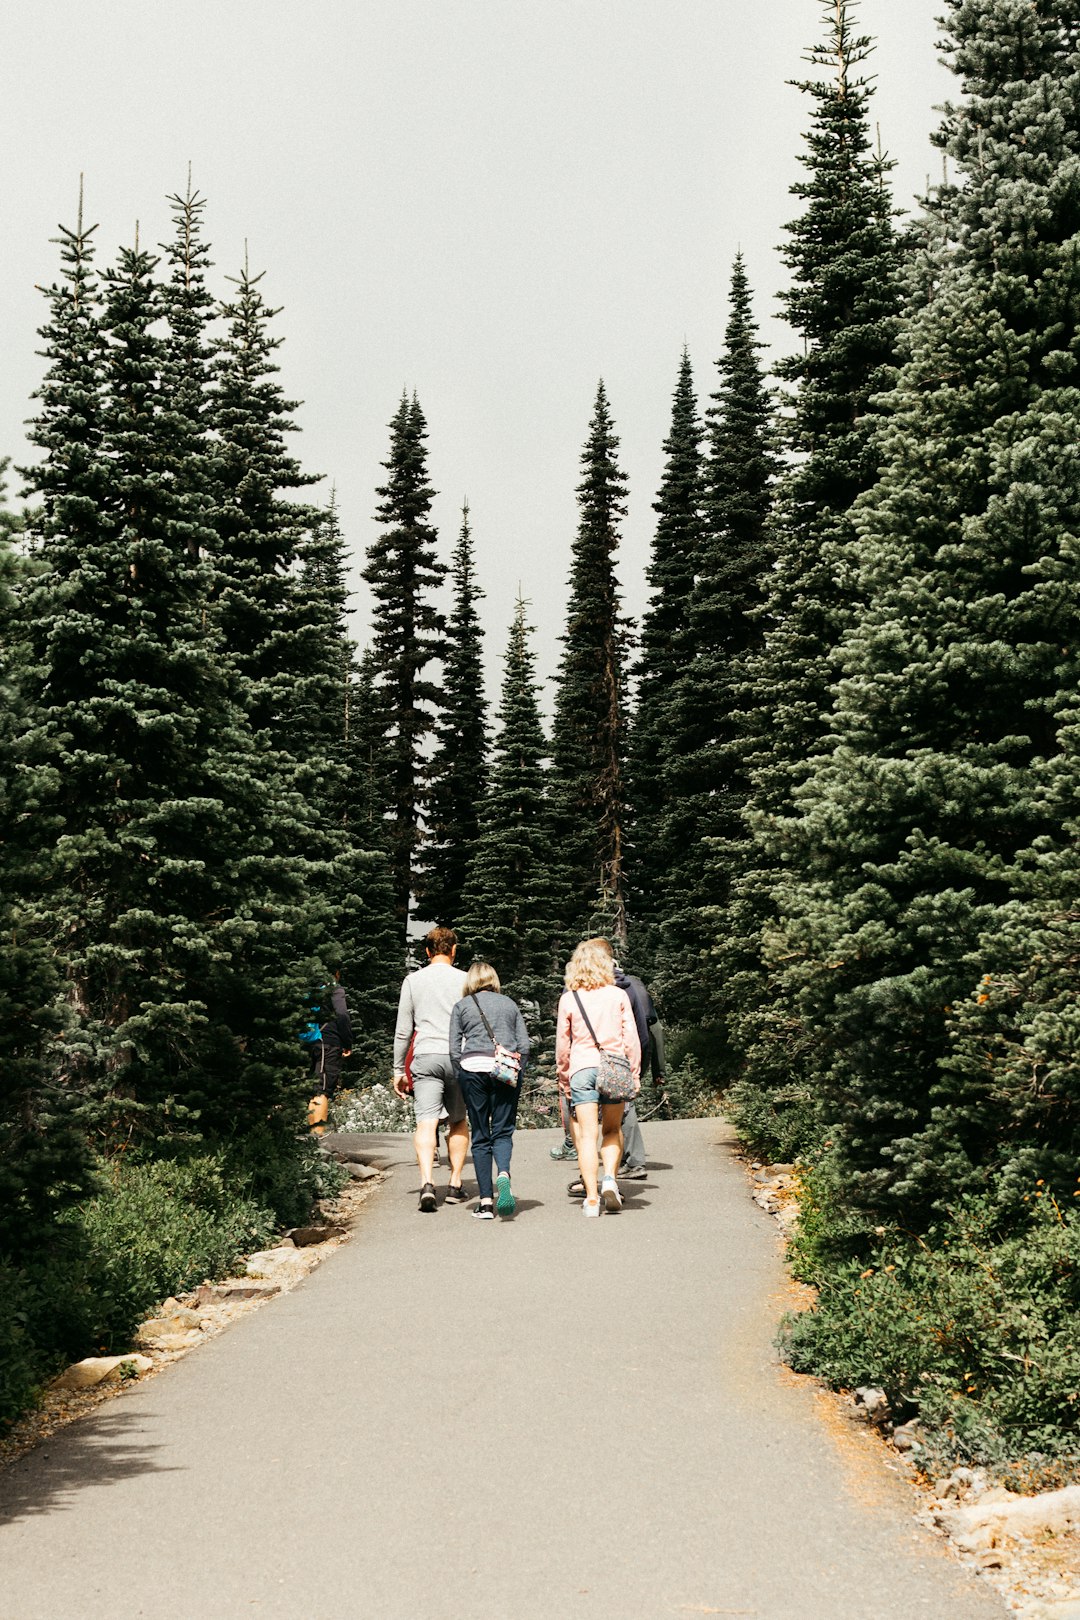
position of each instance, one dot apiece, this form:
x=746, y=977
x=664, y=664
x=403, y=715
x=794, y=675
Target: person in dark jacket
x=482, y=1019
x=632, y=1167
x=334, y=1042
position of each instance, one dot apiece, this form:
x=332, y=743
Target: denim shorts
x=584, y=1087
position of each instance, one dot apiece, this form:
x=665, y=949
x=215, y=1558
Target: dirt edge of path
x=1039, y=1578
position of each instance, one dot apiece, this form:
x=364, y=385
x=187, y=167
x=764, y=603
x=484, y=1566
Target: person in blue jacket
x=328, y=1039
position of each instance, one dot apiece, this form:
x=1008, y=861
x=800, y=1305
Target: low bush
x=689, y=1092
x=157, y=1229
x=22, y=1363
x=373, y=1109
x=779, y=1125
x=972, y=1326
x=275, y=1168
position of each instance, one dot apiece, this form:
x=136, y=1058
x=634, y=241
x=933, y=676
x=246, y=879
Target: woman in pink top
x=590, y=973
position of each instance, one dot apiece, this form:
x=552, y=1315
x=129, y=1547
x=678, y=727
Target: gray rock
x=181, y=1316
x=304, y=1236
x=907, y=1435
x=275, y=1263
x=220, y=1293
x=173, y=1342
x=360, y=1172
x=96, y=1369
x=999, y=1513
x=872, y=1404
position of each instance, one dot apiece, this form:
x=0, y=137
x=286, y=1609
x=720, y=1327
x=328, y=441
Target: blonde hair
x=481, y=976
x=590, y=966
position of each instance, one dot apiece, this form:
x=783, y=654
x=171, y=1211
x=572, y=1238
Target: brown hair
x=481, y=976
x=590, y=966
x=440, y=942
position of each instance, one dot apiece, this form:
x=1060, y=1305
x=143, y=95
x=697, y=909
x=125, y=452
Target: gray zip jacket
x=469, y=1038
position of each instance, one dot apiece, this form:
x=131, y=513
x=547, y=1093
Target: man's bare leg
x=424, y=1142
x=457, y=1145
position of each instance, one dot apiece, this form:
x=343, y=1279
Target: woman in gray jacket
x=483, y=1019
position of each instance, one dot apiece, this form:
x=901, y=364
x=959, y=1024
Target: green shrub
x=973, y=1326
x=779, y=1126
x=690, y=1093
x=22, y=1363
x=157, y=1229
x=285, y=1172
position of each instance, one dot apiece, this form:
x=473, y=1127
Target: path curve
x=549, y=1419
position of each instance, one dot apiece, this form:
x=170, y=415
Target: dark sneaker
x=483, y=1211
x=456, y=1195
x=632, y=1172
x=428, y=1203
x=505, y=1202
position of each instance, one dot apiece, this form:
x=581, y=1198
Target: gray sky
x=495, y=202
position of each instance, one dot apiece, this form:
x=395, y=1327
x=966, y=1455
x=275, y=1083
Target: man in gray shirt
x=428, y=997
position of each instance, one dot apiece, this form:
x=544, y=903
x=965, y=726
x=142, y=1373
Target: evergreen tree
x=590, y=718
x=366, y=758
x=326, y=706
x=954, y=770
x=676, y=547
x=187, y=363
x=705, y=771
x=459, y=763
x=843, y=304
x=44, y=1162
x=403, y=570
x=260, y=532
x=322, y=694
x=511, y=906
x=162, y=890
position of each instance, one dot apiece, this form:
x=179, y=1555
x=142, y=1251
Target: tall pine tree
x=590, y=716
x=403, y=571
x=261, y=532
x=511, y=906
x=843, y=304
x=954, y=771
x=162, y=891
x=705, y=768
x=676, y=547
x=459, y=764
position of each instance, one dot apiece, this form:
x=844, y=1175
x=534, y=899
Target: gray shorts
x=435, y=1087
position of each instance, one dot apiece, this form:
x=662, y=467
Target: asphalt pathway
x=543, y=1419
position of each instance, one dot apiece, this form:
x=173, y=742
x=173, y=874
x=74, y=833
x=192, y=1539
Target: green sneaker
x=565, y=1150
x=504, y=1197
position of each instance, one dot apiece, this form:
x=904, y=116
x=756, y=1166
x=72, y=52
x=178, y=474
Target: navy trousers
x=492, y=1116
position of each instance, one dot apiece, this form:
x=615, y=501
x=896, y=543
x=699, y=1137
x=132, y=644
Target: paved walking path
x=549, y=1419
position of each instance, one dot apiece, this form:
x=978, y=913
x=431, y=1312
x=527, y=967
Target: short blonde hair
x=590, y=966
x=481, y=976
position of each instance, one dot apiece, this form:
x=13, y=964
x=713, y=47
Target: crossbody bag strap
x=588, y=1025
x=487, y=1026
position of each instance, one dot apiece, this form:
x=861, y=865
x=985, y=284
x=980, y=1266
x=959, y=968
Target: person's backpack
x=312, y=1033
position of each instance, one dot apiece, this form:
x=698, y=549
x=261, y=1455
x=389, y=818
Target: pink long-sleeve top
x=611, y=1016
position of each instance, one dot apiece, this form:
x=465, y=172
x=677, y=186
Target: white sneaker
x=590, y=1209
x=610, y=1196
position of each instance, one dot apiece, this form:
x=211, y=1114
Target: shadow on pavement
x=89, y=1453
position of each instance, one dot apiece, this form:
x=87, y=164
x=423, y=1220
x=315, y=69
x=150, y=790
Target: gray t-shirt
x=428, y=997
